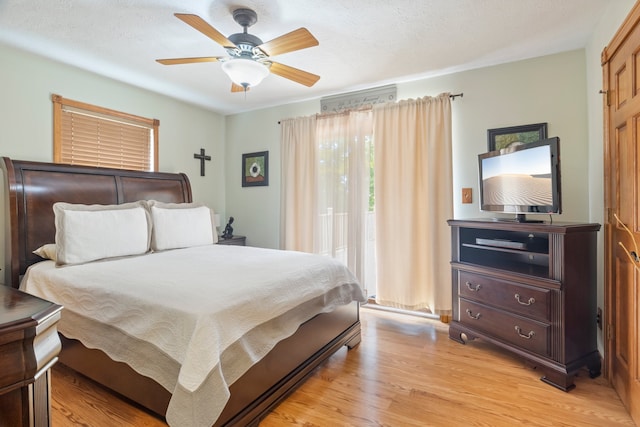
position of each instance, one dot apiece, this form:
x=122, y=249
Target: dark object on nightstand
x=234, y=240
x=228, y=230
x=29, y=346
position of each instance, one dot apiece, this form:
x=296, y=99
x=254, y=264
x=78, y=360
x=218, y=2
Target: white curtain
x=414, y=199
x=325, y=186
x=299, y=185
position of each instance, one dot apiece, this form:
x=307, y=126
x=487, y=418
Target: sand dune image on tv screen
x=517, y=189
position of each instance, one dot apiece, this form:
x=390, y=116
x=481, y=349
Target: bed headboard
x=31, y=189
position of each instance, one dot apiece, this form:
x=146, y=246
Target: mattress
x=194, y=319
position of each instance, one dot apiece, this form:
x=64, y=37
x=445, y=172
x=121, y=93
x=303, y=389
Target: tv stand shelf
x=529, y=288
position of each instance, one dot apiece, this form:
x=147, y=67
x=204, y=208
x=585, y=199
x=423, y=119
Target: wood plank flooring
x=406, y=372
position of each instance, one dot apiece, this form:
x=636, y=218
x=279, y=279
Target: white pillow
x=47, y=251
x=181, y=225
x=90, y=232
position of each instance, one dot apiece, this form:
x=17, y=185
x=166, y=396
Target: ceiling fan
x=249, y=59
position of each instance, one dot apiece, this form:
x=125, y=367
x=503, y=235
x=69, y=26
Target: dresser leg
x=41, y=400
x=559, y=380
x=595, y=366
x=455, y=334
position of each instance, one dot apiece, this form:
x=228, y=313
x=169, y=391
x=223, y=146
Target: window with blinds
x=94, y=136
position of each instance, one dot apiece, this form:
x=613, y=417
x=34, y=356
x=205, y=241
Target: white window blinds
x=95, y=136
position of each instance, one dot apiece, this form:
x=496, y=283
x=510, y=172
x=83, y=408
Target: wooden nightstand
x=234, y=240
x=29, y=346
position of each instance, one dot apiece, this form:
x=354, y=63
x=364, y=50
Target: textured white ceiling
x=363, y=43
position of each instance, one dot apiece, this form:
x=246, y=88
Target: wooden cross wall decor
x=202, y=157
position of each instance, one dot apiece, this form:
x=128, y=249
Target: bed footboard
x=259, y=390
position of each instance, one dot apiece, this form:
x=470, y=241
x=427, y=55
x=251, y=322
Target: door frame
x=609, y=329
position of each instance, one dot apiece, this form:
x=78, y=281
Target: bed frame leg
x=354, y=340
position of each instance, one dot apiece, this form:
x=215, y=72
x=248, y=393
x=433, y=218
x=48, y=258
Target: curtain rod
x=452, y=96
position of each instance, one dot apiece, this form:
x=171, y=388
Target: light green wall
x=561, y=90
x=26, y=120
x=547, y=89
x=552, y=89
x=256, y=210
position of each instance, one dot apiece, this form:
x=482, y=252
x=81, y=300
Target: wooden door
x=621, y=68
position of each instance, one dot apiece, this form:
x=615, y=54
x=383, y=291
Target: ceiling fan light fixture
x=249, y=59
x=245, y=72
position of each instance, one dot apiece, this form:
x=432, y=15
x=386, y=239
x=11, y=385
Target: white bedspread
x=205, y=314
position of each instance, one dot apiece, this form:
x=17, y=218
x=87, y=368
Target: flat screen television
x=522, y=179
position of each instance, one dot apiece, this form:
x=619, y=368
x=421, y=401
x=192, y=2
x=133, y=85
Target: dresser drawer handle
x=471, y=315
x=473, y=288
x=527, y=336
x=529, y=302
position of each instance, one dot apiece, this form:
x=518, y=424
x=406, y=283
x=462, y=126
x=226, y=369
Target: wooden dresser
x=29, y=346
x=529, y=288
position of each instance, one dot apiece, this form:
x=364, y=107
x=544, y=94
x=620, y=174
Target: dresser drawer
x=524, y=333
x=518, y=298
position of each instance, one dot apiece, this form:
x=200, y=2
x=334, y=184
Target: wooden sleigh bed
x=31, y=188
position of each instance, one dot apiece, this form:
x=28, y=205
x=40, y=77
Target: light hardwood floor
x=406, y=372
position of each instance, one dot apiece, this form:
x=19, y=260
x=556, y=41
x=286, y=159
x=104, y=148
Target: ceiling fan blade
x=174, y=61
x=201, y=25
x=238, y=88
x=295, y=40
x=294, y=74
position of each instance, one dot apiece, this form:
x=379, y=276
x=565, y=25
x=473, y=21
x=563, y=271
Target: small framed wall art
x=255, y=169
x=500, y=138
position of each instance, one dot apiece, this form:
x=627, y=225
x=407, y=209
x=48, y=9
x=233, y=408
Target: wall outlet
x=467, y=195
x=599, y=318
